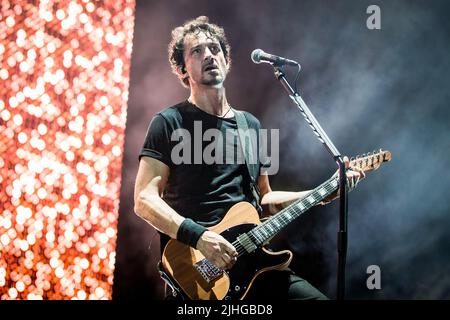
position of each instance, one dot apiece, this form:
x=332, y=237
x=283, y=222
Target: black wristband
x=189, y=232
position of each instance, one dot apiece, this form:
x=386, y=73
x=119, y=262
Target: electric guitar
x=199, y=279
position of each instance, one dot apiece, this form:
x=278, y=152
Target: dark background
x=369, y=89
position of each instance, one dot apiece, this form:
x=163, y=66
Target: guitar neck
x=267, y=230
x=278, y=222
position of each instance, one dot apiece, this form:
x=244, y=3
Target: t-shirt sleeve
x=264, y=164
x=263, y=158
x=157, y=142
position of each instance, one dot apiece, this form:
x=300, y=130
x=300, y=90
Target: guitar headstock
x=371, y=161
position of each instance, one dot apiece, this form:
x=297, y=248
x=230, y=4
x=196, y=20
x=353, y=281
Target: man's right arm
x=150, y=183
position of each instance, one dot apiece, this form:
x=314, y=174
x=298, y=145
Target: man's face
x=204, y=60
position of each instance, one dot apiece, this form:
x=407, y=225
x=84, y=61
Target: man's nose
x=208, y=54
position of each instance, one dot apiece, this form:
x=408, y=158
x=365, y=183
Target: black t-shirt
x=200, y=191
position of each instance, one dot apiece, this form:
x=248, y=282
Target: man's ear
x=181, y=70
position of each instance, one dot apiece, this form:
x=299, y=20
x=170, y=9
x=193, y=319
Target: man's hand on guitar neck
x=217, y=250
x=354, y=175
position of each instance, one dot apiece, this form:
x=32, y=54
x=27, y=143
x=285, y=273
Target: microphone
x=259, y=56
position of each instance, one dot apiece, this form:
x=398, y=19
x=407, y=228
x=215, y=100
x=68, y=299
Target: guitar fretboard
x=262, y=233
x=267, y=230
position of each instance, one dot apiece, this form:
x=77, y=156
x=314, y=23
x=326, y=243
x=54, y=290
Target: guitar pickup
x=247, y=243
x=207, y=270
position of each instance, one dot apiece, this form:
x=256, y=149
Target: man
x=181, y=199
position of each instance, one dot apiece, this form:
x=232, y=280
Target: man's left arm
x=274, y=201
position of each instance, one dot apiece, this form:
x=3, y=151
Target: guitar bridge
x=207, y=270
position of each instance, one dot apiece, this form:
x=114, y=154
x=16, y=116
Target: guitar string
x=259, y=232
x=283, y=220
x=240, y=247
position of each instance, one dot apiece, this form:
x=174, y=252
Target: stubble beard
x=212, y=80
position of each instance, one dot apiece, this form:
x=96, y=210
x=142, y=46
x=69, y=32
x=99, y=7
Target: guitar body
x=181, y=261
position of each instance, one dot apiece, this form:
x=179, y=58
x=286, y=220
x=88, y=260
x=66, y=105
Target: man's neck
x=210, y=100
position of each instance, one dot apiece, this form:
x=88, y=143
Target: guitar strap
x=249, y=149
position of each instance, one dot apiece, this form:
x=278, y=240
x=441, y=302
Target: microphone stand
x=328, y=144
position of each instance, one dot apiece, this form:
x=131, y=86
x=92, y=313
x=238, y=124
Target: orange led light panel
x=63, y=100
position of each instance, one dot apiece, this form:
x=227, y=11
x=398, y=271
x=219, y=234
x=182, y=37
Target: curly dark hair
x=199, y=24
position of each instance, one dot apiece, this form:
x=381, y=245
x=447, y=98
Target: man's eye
x=197, y=50
x=215, y=49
